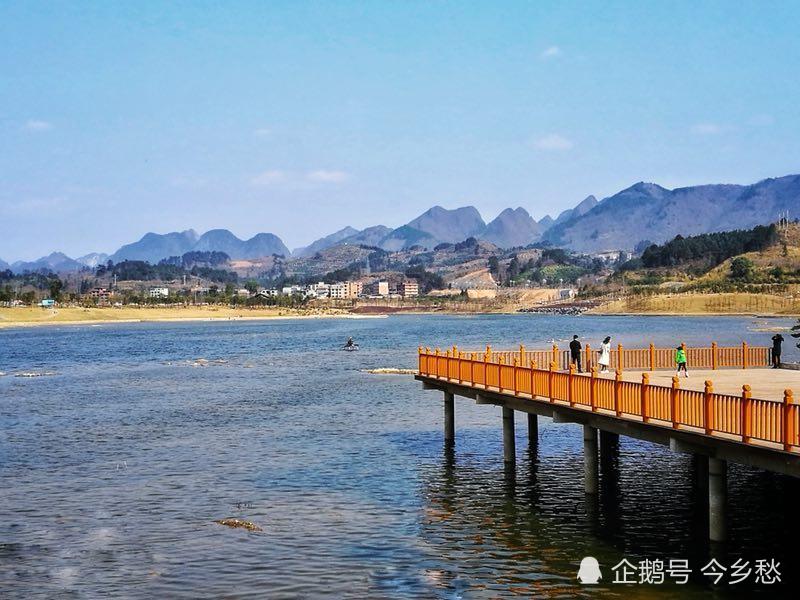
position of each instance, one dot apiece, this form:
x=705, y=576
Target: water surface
x=114, y=468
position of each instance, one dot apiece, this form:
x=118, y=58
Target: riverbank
x=742, y=304
x=72, y=315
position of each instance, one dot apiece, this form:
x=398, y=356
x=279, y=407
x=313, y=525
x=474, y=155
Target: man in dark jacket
x=575, y=353
x=777, y=340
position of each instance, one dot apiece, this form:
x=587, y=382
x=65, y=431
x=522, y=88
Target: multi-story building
x=377, y=288
x=409, y=289
x=318, y=290
x=345, y=290
x=102, y=295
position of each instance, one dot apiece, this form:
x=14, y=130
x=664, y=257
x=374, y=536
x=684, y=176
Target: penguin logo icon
x=589, y=572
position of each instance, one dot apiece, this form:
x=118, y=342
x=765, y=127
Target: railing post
x=553, y=367
x=458, y=366
x=500, y=363
x=620, y=362
x=652, y=356
x=593, y=389
x=486, y=370
x=708, y=422
x=533, y=379
x=419, y=360
x=747, y=407
x=436, y=361
x=645, y=393
x=617, y=389
x=514, y=365
x=489, y=353
x=788, y=400
x=744, y=355
x=521, y=354
x=587, y=365
x=555, y=354
x=570, y=376
x=676, y=383
x=714, y=359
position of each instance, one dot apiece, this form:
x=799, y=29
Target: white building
x=268, y=292
x=318, y=290
x=159, y=292
x=292, y=290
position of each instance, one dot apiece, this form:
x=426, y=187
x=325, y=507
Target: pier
x=638, y=399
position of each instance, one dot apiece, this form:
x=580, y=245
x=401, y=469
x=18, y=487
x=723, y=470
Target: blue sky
x=299, y=118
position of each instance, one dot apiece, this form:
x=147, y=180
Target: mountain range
x=641, y=214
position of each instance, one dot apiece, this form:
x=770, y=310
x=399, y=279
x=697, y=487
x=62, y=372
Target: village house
x=159, y=292
x=101, y=295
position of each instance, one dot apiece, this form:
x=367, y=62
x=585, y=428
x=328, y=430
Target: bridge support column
x=609, y=445
x=717, y=498
x=509, y=449
x=533, y=430
x=701, y=472
x=590, y=470
x=449, y=418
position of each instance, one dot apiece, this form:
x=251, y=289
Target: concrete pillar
x=717, y=498
x=449, y=418
x=533, y=430
x=509, y=450
x=590, y=470
x=701, y=472
x=609, y=446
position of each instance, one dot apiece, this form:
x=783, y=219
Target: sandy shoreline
x=74, y=316
x=27, y=317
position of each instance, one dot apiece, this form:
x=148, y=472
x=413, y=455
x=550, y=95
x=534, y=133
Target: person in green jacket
x=680, y=360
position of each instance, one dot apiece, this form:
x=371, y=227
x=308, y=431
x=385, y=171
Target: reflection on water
x=115, y=468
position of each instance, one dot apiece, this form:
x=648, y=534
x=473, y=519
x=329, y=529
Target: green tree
x=742, y=268
x=251, y=285
x=55, y=286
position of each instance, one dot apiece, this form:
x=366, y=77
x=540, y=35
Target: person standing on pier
x=680, y=360
x=575, y=352
x=777, y=340
x=605, y=355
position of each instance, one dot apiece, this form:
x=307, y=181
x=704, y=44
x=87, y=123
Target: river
x=116, y=463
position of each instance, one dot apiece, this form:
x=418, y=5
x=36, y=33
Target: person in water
x=680, y=361
x=349, y=343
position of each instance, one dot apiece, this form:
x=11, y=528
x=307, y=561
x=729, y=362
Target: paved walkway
x=766, y=383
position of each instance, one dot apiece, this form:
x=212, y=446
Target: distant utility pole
x=783, y=220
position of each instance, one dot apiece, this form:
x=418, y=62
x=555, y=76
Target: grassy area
x=735, y=303
x=27, y=316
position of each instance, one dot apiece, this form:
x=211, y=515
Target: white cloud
x=262, y=132
x=551, y=52
x=708, y=129
x=38, y=125
x=269, y=178
x=553, y=141
x=325, y=176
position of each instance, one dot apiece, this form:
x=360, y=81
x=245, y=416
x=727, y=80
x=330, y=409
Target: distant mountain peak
x=512, y=227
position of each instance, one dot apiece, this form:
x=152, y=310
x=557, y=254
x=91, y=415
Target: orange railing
x=638, y=359
x=738, y=418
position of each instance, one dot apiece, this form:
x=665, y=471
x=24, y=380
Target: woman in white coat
x=605, y=355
